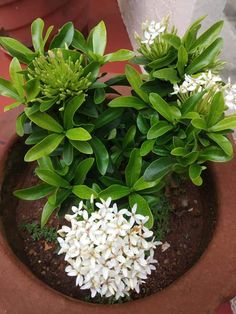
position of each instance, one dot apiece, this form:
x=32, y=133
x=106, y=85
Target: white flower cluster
x=197, y=83
x=151, y=31
x=110, y=252
x=230, y=95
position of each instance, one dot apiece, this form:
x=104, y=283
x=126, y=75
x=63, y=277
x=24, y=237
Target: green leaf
x=79, y=41
x=224, y=124
x=47, y=104
x=70, y=109
x=44, y=121
x=146, y=147
x=35, y=192
x=45, y=147
x=206, y=58
x=99, y=95
x=164, y=61
x=142, y=124
x=182, y=59
x=108, y=116
x=135, y=81
x=64, y=37
x=37, y=35
x=67, y=153
x=141, y=184
x=208, y=36
x=115, y=191
x=133, y=168
x=12, y=106
x=82, y=170
x=199, y=123
x=52, y=178
x=48, y=209
x=16, y=77
x=190, y=104
x=7, y=89
x=78, y=134
x=178, y=151
x=99, y=38
x=142, y=208
x=216, y=109
x=161, y=106
x=48, y=32
x=173, y=40
x=45, y=163
x=167, y=74
x=127, y=102
x=159, y=129
x=101, y=155
x=129, y=137
x=119, y=55
x=84, y=192
x=223, y=142
x=195, y=171
x=20, y=122
x=17, y=49
x=158, y=169
x=213, y=153
x=32, y=89
x=83, y=147
x=190, y=35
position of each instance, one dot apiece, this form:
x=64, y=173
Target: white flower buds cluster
x=230, y=95
x=197, y=83
x=110, y=251
x=151, y=30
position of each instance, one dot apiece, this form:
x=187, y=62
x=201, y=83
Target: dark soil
x=190, y=229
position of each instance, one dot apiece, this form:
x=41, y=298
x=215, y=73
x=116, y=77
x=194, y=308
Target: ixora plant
x=90, y=151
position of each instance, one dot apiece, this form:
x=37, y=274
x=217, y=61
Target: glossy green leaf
x=64, y=37
x=82, y=170
x=45, y=163
x=99, y=95
x=146, y=147
x=52, y=178
x=164, y=61
x=208, y=36
x=135, y=81
x=83, y=147
x=101, y=155
x=142, y=208
x=190, y=35
x=37, y=35
x=68, y=153
x=32, y=89
x=35, y=192
x=216, y=109
x=84, y=192
x=223, y=142
x=7, y=89
x=17, y=49
x=99, y=38
x=159, y=129
x=20, y=122
x=47, y=104
x=182, y=59
x=167, y=74
x=224, y=124
x=173, y=40
x=127, y=102
x=16, y=77
x=129, y=137
x=213, y=153
x=79, y=41
x=119, y=55
x=78, y=134
x=70, y=109
x=206, y=58
x=190, y=104
x=45, y=121
x=133, y=168
x=48, y=210
x=159, y=168
x=161, y=106
x=43, y=148
x=108, y=116
x=178, y=151
x=141, y=184
x=199, y=123
x=114, y=191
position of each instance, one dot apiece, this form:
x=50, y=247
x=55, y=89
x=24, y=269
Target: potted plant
x=110, y=175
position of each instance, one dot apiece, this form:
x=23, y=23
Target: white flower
x=109, y=252
x=230, y=95
x=151, y=30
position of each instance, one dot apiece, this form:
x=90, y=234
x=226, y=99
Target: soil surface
x=190, y=229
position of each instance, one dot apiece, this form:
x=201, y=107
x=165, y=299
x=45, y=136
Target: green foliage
x=37, y=233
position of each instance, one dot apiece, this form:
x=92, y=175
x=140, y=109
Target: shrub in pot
x=91, y=151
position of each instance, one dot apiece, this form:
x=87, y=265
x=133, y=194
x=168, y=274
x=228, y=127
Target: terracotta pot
x=200, y=290
x=16, y=16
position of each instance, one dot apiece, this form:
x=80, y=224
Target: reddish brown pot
x=200, y=290
x=17, y=15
